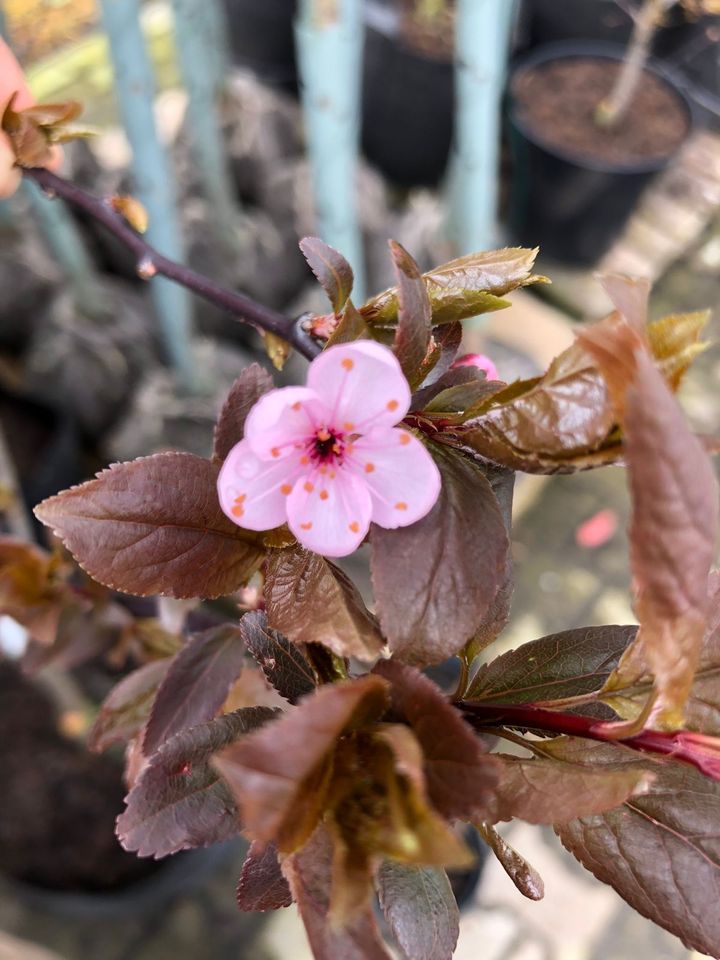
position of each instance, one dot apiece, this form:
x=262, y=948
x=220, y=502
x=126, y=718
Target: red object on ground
x=597, y=530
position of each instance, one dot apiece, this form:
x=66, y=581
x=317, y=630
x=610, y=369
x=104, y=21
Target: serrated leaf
x=279, y=776
x=420, y=908
x=310, y=600
x=179, y=802
x=428, y=607
x=461, y=776
x=126, y=709
x=567, y=664
x=412, y=334
x=462, y=288
x=154, y=525
x=262, y=885
x=660, y=851
x=558, y=784
x=309, y=873
x=674, y=523
x=252, y=384
x=332, y=270
x=526, y=879
x=197, y=683
x=284, y=665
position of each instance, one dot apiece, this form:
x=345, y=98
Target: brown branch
x=699, y=751
x=151, y=263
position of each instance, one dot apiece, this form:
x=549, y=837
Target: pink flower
x=329, y=458
x=478, y=360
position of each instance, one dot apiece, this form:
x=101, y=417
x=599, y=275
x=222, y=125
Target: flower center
x=327, y=446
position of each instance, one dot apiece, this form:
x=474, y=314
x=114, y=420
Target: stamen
x=354, y=526
x=308, y=487
x=238, y=511
x=304, y=460
x=306, y=526
x=348, y=363
x=323, y=435
x=275, y=452
x=404, y=438
x=297, y=405
x=286, y=489
x=324, y=494
x=401, y=505
x=392, y=405
x=348, y=426
x=369, y=467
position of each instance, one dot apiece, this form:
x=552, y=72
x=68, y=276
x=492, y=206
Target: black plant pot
x=573, y=205
x=408, y=105
x=261, y=37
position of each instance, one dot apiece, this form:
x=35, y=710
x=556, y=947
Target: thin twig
x=151, y=263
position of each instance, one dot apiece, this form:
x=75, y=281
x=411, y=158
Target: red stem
x=151, y=262
x=695, y=749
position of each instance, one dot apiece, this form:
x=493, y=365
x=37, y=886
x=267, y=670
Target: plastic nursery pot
x=571, y=201
x=551, y=21
x=408, y=103
x=261, y=37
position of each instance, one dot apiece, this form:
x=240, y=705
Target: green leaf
x=310, y=600
x=568, y=664
x=351, y=327
x=279, y=775
x=197, y=683
x=178, y=801
x=660, y=851
x=332, y=270
x=126, y=709
x=412, y=336
x=420, y=908
x=428, y=606
x=262, y=885
x=154, y=526
x=252, y=383
x=461, y=776
x=462, y=288
x=285, y=666
x=527, y=880
x=558, y=784
x=674, y=524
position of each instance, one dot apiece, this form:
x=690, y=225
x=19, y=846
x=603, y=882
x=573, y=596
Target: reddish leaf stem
x=699, y=751
x=150, y=263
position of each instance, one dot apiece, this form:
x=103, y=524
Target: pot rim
x=579, y=49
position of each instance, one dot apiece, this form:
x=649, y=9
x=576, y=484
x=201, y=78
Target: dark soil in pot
x=261, y=36
x=59, y=802
x=575, y=183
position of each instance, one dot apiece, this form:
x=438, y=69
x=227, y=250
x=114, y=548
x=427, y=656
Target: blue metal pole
x=155, y=185
x=199, y=49
x=481, y=48
x=329, y=37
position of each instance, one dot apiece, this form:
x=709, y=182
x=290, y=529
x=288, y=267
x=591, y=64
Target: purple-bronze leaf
x=332, y=270
x=412, y=334
x=568, y=664
x=310, y=600
x=197, y=683
x=125, y=711
x=279, y=775
x=310, y=874
x=660, y=851
x=252, y=383
x=420, y=908
x=262, y=885
x=179, y=801
x=674, y=523
x=435, y=581
x=154, y=526
x=461, y=776
x=284, y=665
x=559, y=784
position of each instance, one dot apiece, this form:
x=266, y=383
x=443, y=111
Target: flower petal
x=254, y=492
x=282, y=419
x=361, y=384
x=329, y=512
x=402, y=477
